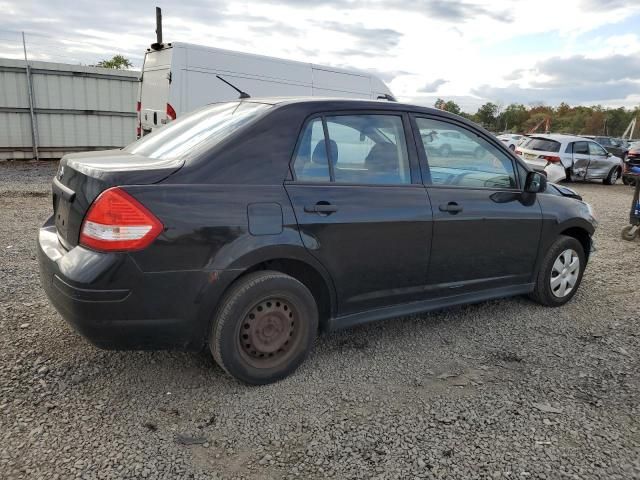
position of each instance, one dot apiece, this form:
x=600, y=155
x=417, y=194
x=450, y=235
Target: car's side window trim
x=494, y=142
x=412, y=152
x=296, y=149
x=328, y=149
x=422, y=156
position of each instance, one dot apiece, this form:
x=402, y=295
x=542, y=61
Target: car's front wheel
x=560, y=273
x=264, y=328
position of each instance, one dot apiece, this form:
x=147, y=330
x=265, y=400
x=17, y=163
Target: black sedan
x=247, y=227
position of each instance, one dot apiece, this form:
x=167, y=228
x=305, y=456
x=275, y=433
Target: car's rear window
x=197, y=131
x=543, y=145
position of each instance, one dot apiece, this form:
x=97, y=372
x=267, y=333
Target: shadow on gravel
x=22, y=194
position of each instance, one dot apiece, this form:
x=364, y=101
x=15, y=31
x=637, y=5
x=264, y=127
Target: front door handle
x=321, y=208
x=451, y=207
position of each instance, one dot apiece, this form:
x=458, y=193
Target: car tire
x=552, y=282
x=613, y=176
x=264, y=328
x=568, y=175
x=628, y=181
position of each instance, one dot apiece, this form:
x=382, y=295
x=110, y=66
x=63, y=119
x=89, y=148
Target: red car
x=632, y=160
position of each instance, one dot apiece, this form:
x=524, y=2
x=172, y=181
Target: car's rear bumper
x=115, y=305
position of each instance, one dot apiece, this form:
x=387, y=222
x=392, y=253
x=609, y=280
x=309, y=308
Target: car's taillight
x=518, y=151
x=551, y=158
x=118, y=222
x=171, y=113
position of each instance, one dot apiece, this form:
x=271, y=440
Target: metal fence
x=76, y=108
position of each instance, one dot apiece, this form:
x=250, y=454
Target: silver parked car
x=444, y=143
x=567, y=157
x=511, y=140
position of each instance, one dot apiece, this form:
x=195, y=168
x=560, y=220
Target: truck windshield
x=196, y=131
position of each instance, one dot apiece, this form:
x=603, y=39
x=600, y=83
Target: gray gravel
x=503, y=389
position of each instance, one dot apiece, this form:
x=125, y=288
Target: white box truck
x=180, y=77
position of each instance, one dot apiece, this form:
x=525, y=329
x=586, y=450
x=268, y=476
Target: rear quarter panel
x=208, y=231
x=207, y=226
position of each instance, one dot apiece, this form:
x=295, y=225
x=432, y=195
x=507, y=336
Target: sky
x=583, y=52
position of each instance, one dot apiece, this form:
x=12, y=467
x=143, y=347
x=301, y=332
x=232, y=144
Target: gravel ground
x=503, y=389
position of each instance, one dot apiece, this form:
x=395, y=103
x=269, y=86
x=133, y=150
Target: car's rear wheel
x=264, y=328
x=560, y=273
x=613, y=176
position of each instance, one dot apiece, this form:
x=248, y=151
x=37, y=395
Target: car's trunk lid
x=82, y=177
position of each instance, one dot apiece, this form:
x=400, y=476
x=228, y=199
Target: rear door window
x=363, y=149
x=312, y=162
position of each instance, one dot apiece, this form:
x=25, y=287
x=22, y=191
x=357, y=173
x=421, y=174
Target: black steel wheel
x=269, y=332
x=264, y=328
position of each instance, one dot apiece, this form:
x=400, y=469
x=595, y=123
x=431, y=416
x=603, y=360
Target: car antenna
x=242, y=94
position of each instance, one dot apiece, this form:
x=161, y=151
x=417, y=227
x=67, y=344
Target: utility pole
x=34, y=124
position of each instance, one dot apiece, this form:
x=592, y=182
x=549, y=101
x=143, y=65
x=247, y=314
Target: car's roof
x=342, y=102
x=559, y=137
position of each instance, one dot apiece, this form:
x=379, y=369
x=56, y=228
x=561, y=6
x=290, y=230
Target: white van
x=180, y=77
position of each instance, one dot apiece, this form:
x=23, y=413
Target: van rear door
x=154, y=90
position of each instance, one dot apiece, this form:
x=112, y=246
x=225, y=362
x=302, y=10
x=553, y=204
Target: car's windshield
x=543, y=145
x=199, y=130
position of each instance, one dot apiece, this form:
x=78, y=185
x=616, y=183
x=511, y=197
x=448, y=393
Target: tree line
x=518, y=118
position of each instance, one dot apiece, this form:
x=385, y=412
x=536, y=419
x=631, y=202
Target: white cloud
x=410, y=44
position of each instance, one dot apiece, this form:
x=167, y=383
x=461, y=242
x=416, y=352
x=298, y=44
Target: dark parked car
x=617, y=147
x=247, y=227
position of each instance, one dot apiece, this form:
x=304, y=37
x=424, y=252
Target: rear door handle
x=322, y=208
x=451, y=207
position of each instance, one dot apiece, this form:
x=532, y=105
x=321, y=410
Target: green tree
x=439, y=104
x=514, y=117
x=486, y=114
x=452, y=107
x=118, y=62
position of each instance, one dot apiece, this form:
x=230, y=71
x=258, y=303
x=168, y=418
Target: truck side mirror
x=535, y=183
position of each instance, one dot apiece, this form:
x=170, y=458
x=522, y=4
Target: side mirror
x=535, y=183
x=609, y=154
